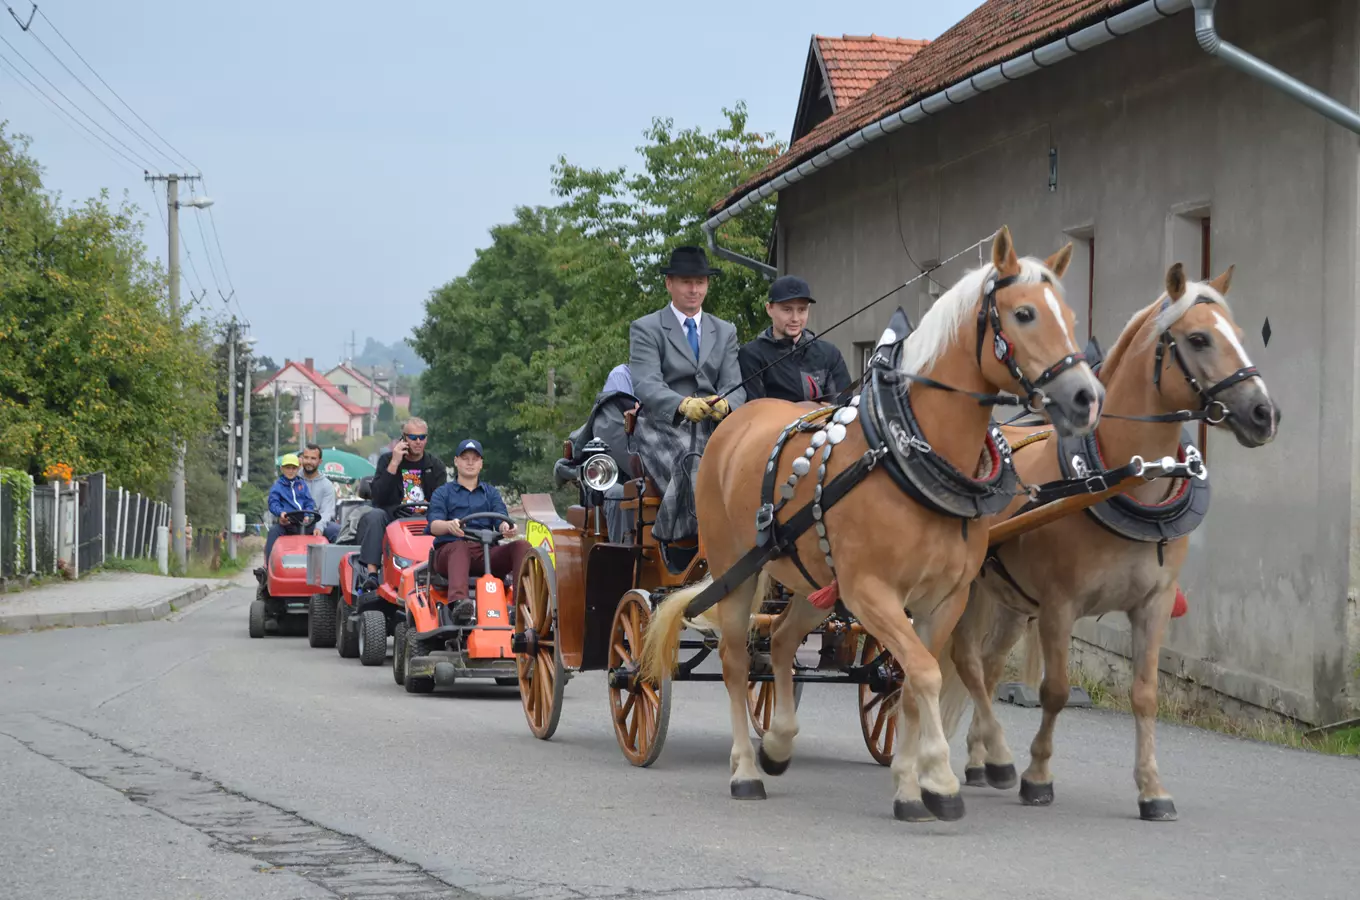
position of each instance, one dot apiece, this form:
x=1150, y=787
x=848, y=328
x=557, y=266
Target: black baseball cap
x=790, y=287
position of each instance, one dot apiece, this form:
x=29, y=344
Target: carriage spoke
x=626, y=708
x=633, y=726
x=625, y=658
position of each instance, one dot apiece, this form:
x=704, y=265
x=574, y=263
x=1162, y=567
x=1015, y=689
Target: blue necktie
x=692, y=332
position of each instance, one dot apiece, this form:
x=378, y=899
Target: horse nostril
x=1083, y=399
x=1263, y=414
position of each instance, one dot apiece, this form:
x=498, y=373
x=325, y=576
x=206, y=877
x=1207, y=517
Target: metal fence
x=76, y=526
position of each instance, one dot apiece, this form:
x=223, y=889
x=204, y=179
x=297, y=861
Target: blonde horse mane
x=941, y=324
x=1174, y=312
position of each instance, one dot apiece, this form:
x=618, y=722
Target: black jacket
x=386, y=487
x=815, y=371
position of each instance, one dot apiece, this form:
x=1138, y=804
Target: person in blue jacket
x=289, y=494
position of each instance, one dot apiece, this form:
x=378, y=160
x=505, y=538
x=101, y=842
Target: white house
x=323, y=409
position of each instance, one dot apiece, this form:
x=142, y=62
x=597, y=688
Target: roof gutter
x=960, y=92
x=1262, y=71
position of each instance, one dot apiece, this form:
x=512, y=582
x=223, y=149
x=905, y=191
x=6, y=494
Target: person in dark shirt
x=455, y=553
x=406, y=475
x=814, y=371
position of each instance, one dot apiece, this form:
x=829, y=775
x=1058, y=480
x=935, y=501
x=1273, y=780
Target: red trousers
x=456, y=560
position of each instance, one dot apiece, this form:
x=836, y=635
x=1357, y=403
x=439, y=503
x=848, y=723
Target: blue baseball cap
x=469, y=444
x=790, y=287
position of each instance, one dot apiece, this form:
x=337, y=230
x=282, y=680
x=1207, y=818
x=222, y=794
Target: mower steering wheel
x=300, y=517
x=410, y=510
x=485, y=535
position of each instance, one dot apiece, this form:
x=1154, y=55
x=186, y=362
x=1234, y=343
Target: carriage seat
x=649, y=493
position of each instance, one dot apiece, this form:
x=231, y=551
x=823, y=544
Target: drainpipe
x=1011, y=70
x=1262, y=71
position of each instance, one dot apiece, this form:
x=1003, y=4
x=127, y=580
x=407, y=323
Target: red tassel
x=825, y=598
x=1181, y=607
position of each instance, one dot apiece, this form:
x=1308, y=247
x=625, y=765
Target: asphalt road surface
x=180, y=759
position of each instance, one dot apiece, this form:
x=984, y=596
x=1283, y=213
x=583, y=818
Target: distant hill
x=376, y=353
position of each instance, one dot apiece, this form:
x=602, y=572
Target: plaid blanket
x=671, y=454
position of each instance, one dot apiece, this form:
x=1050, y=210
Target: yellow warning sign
x=538, y=535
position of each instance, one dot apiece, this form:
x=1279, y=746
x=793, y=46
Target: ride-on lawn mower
x=364, y=620
x=284, y=596
x=431, y=649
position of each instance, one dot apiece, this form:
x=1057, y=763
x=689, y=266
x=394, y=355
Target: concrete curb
x=126, y=615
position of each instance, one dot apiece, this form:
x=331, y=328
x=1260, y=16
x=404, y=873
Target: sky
x=358, y=153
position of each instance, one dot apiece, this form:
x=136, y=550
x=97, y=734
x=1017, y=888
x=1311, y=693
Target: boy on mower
x=288, y=495
x=455, y=553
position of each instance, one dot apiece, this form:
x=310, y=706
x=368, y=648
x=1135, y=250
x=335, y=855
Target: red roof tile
x=855, y=64
x=322, y=383
x=993, y=33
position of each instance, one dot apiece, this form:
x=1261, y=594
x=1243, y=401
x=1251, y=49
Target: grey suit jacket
x=663, y=365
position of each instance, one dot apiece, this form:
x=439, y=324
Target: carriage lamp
x=599, y=472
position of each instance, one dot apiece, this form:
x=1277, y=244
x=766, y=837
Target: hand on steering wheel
x=507, y=526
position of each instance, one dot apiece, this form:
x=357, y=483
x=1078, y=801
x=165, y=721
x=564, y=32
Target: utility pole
x=231, y=438
x=245, y=413
x=276, y=418
x=177, y=542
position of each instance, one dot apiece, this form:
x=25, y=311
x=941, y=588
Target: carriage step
x=1019, y=694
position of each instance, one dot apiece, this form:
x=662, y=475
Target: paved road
x=179, y=759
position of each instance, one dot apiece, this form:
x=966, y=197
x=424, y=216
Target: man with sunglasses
x=406, y=474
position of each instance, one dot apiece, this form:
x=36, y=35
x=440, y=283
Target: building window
x=1080, y=279
x=863, y=351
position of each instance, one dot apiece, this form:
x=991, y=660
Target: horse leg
x=1055, y=632
x=979, y=655
x=923, y=746
x=1149, y=624
x=776, y=748
x=734, y=617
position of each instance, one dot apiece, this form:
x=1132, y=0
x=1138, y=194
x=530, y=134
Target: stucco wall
x=1151, y=134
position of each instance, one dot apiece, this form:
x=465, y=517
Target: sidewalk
x=105, y=598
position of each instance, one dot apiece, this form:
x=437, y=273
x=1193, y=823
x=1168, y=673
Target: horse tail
x=1033, y=668
x=661, y=644
x=954, y=695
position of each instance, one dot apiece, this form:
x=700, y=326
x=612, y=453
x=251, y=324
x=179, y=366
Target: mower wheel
x=346, y=637
x=399, y=653
x=257, y=618
x=372, y=638
x=508, y=682
x=415, y=684
x=321, y=621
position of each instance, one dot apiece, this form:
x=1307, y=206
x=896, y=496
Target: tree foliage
x=94, y=372
x=520, y=345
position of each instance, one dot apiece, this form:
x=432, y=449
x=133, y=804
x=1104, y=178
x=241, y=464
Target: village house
x=322, y=408
x=1112, y=124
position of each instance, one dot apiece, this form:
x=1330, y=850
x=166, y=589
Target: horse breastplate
x=1126, y=517
x=889, y=421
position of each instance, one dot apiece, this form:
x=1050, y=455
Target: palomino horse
x=1178, y=360
x=887, y=548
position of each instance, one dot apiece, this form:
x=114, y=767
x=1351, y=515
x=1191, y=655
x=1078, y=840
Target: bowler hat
x=790, y=287
x=689, y=262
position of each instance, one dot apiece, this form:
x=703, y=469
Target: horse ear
x=1003, y=253
x=1175, y=282
x=1058, y=262
x=1222, y=282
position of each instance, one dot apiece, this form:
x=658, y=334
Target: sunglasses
x=414, y=437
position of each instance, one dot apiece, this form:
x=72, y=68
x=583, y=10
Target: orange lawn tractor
x=364, y=620
x=284, y=597
x=431, y=649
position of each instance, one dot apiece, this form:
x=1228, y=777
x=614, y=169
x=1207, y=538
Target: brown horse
x=1179, y=359
x=888, y=550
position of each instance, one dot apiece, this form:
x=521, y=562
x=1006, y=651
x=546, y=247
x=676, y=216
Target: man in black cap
x=683, y=360
x=814, y=370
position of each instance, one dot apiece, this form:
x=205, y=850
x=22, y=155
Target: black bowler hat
x=790, y=287
x=689, y=262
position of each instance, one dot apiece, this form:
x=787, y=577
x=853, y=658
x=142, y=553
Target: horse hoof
x=975, y=776
x=1001, y=777
x=771, y=766
x=748, y=790
x=911, y=811
x=1032, y=794
x=1158, y=810
x=948, y=808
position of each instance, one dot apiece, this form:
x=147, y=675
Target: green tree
x=94, y=371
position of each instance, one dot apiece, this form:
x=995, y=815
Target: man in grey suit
x=683, y=361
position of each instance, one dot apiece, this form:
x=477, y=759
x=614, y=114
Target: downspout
x=1262, y=71
x=960, y=92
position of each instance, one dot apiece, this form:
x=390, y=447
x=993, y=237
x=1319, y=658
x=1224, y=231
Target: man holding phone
x=407, y=476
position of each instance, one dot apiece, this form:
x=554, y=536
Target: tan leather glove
x=695, y=409
x=719, y=407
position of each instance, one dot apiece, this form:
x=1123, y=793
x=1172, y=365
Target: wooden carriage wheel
x=760, y=703
x=878, y=710
x=542, y=677
x=640, y=709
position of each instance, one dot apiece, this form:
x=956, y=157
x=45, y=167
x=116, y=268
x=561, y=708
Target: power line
x=203, y=238
x=147, y=164
x=54, y=28
x=220, y=255
x=157, y=201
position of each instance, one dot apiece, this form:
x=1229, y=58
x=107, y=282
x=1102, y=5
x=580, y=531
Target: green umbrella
x=337, y=465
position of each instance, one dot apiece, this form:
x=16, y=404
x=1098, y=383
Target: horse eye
x=1198, y=341
x=1025, y=314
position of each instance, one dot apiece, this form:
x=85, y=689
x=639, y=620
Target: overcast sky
x=358, y=152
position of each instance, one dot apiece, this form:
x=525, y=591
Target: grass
x=197, y=568
x=1273, y=731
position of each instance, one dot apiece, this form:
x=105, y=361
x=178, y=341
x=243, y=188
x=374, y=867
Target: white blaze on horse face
x=1222, y=326
x=1057, y=314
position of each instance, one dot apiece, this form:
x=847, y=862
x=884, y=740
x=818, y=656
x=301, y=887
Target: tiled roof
x=855, y=64
x=994, y=32
x=322, y=383
x=365, y=381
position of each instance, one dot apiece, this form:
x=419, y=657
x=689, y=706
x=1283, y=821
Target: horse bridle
x=1167, y=342
x=990, y=314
